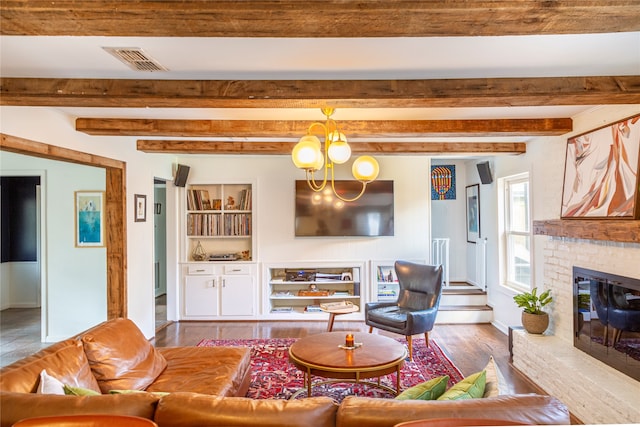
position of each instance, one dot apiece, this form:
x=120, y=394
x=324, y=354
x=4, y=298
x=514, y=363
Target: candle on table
x=349, y=341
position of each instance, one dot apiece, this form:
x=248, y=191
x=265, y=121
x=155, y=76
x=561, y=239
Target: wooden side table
x=333, y=313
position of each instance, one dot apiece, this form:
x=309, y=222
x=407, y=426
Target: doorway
x=160, y=252
x=115, y=204
x=21, y=315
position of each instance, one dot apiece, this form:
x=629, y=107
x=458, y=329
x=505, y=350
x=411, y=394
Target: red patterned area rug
x=273, y=377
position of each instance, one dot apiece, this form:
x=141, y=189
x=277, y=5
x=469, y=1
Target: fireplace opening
x=606, y=314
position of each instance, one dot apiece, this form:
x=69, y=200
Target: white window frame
x=504, y=202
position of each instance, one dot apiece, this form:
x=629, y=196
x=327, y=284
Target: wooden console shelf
x=612, y=230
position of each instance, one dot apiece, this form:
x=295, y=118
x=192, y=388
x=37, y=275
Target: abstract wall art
x=601, y=172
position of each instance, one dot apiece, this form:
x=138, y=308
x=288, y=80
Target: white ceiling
x=324, y=59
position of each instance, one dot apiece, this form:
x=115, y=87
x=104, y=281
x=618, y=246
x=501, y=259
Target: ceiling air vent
x=135, y=58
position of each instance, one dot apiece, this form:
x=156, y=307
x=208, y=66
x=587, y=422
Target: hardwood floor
x=20, y=331
x=19, y=334
x=467, y=346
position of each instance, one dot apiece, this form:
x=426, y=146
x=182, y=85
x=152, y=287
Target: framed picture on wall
x=443, y=182
x=601, y=172
x=473, y=212
x=140, y=206
x=89, y=219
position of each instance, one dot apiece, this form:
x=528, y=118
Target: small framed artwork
x=473, y=212
x=89, y=219
x=443, y=182
x=140, y=206
x=601, y=173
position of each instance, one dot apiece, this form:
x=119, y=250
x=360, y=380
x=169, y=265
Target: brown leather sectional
x=204, y=385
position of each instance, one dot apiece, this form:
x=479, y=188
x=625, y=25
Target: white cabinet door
x=237, y=295
x=200, y=296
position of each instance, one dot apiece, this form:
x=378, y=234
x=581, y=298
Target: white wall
x=20, y=285
x=275, y=179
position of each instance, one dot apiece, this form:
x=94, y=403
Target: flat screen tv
x=322, y=214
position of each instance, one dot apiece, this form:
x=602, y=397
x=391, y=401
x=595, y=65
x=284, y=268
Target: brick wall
x=594, y=392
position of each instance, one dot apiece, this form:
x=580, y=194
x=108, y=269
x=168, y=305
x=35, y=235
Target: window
x=517, y=232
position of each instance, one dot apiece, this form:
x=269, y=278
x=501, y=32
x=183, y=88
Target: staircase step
x=460, y=299
x=457, y=287
x=457, y=314
x=457, y=290
x=465, y=307
x=461, y=293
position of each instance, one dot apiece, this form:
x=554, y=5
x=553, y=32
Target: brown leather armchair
x=416, y=308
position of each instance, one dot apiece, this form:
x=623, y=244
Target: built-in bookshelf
x=219, y=222
x=299, y=291
x=386, y=282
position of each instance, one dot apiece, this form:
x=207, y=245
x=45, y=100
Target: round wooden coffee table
x=321, y=355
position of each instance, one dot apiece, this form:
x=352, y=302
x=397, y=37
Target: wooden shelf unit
x=282, y=299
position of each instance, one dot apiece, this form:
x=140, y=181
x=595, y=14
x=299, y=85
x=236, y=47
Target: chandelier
x=308, y=154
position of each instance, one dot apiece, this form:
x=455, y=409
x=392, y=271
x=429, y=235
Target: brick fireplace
x=594, y=392
x=606, y=318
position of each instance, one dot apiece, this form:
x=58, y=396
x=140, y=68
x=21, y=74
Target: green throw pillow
x=79, y=391
x=428, y=390
x=469, y=388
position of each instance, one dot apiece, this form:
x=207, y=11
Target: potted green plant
x=534, y=319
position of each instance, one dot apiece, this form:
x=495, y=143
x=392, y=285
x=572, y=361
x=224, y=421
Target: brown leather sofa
x=204, y=385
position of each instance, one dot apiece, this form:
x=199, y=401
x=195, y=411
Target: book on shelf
x=282, y=309
x=244, y=202
x=198, y=200
x=201, y=224
x=341, y=294
x=338, y=305
x=327, y=277
x=313, y=309
x=237, y=225
x=386, y=293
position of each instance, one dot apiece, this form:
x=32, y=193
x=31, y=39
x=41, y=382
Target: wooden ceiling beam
x=315, y=18
x=295, y=128
x=444, y=93
x=284, y=148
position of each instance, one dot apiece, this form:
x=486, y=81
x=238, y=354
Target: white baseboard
x=501, y=327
